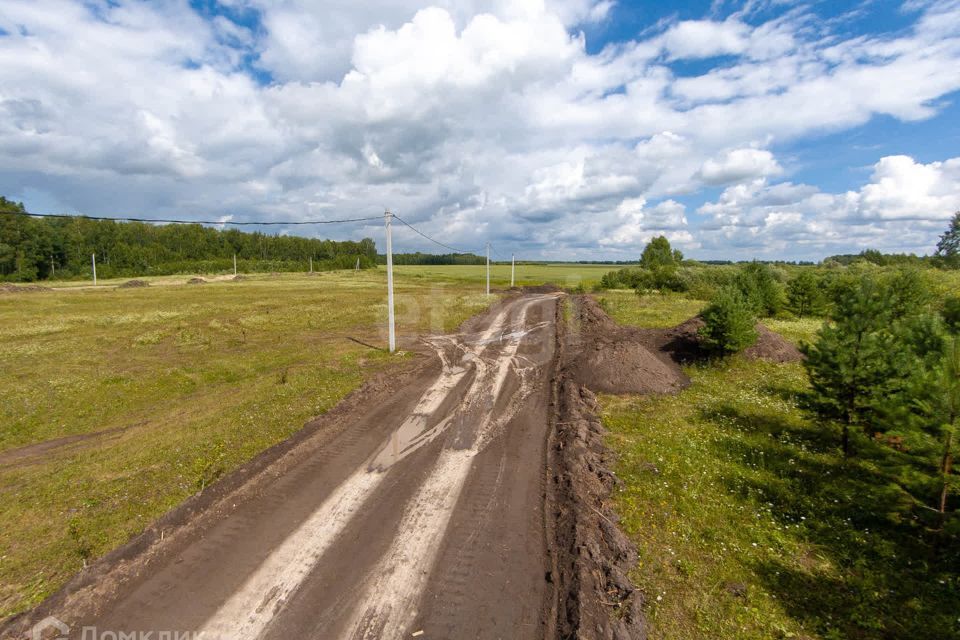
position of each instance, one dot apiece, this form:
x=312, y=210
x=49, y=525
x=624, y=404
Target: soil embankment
x=596, y=599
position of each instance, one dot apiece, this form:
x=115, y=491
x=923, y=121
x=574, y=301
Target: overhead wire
x=244, y=223
x=236, y=223
x=436, y=242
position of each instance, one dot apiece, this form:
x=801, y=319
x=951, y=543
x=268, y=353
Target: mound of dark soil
x=593, y=556
x=239, y=278
x=772, y=347
x=133, y=284
x=609, y=358
x=683, y=343
x=196, y=281
x=23, y=288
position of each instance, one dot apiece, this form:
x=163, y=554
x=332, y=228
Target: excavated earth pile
x=593, y=557
x=610, y=358
x=133, y=284
x=596, y=598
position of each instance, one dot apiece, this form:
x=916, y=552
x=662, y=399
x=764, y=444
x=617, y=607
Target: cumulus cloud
x=475, y=119
x=739, y=164
x=903, y=206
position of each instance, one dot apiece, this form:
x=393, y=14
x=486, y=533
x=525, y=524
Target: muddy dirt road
x=422, y=510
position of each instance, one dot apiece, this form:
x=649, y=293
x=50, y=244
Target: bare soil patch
x=23, y=288
x=133, y=284
x=196, y=281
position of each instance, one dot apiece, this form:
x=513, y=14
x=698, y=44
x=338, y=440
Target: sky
x=553, y=129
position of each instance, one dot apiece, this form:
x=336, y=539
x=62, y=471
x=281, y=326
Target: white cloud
x=738, y=165
x=902, y=208
x=902, y=188
x=476, y=119
x=705, y=38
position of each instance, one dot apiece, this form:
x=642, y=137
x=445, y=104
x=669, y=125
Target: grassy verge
x=651, y=311
x=750, y=525
x=187, y=381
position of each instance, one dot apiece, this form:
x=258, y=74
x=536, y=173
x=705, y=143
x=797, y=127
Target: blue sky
x=559, y=129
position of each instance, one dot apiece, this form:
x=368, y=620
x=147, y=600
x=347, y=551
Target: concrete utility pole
x=388, y=218
x=488, y=268
x=93, y=259
x=311, y=264
x=513, y=267
x=234, y=264
x=357, y=269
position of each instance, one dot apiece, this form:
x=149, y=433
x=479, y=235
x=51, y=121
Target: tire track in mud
x=409, y=503
x=386, y=606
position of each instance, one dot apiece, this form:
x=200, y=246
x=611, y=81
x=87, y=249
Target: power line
x=210, y=222
x=436, y=242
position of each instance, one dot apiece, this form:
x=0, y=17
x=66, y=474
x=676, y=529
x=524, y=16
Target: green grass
x=650, y=311
x=567, y=276
x=749, y=524
x=194, y=379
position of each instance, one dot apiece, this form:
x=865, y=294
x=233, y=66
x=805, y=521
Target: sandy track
x=424, y=512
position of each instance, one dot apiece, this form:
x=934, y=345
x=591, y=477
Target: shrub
x=805, y=295
x=759, y=286
x=951, y=314
x=728, y=323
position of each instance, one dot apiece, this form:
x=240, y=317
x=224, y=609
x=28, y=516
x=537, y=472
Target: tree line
x=43, y=248
x=433, y=258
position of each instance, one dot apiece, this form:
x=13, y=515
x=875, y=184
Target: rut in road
x=388, y=595
x=418, y=503
x=391, y=591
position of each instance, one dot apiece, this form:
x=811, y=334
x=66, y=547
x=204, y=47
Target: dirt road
x=419, y=511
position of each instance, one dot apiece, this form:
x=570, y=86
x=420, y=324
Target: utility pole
x=53, y=268
x=388, y=218
x=234, y=264
x=357, y=268
x=488, y=268
x=311, y=264
x=513, y=267
x=93, y=258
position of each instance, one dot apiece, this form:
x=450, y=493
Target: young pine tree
x=939, y=412
x=951, y=314
x=728, y=323
x=849, y=363
x=805, y=295
x=760, y=288
x=949, y=245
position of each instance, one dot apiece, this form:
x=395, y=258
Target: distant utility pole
x=358, y=265
x=387, y=219
x=93, y=258
x=311, y=264
x=53, y=268
x=513, y=267
x=234, y=264
x=488, y=268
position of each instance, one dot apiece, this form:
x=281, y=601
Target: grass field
x=165, y=389
x=567, y=276
x=748, y=522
